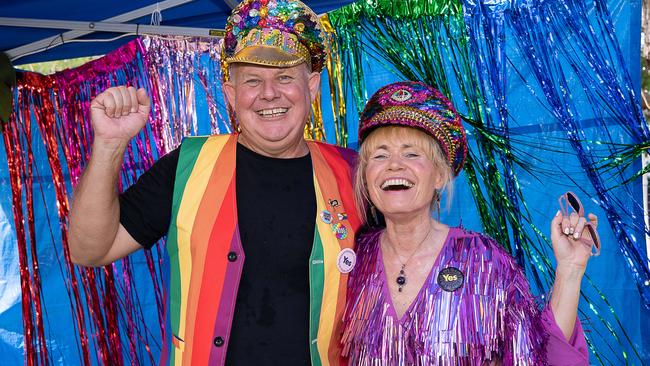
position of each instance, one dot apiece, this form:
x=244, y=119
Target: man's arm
x=96, y=236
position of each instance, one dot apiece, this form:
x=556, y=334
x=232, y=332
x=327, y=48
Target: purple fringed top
x=492, y=316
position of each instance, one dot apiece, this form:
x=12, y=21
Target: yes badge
x=346, y=260
x=450, y=279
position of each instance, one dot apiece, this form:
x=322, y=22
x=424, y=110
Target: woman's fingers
x=569, y=223
x=579, y=227
x=556, y=226
x=573, y=225
x=566, y=224
x=594, y=220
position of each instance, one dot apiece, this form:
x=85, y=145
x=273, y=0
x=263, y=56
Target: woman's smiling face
x=401, y=175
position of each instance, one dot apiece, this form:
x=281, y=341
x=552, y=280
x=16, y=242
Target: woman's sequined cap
x=418, y=105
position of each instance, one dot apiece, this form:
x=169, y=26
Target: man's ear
x=229, y=91
x=314, y=85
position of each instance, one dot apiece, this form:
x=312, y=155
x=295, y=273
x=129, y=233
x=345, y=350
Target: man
x=259, y=224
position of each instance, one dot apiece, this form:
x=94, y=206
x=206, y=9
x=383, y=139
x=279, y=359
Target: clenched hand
x=118, y=114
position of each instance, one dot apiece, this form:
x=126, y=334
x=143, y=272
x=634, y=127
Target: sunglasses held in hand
x=569, y=202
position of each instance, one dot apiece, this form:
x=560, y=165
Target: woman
x=424, y=293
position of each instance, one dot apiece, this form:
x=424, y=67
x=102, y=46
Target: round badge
x=346, y=260
x=450, y=279
x=340, y=230
x=326, y=216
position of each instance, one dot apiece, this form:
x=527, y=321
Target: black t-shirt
x=276, y=205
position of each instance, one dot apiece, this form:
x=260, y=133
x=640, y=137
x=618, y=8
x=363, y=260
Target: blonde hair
x=415, y=137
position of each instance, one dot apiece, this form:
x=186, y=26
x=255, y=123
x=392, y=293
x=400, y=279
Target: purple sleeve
x=559, y=351
x=532, y=337
x=524, y=333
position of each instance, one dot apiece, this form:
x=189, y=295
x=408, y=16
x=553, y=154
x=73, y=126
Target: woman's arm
x=571, y=255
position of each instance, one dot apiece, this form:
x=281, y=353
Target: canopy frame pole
x=113, y=24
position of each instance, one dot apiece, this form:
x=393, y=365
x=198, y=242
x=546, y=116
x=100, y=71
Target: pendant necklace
x=401, y=277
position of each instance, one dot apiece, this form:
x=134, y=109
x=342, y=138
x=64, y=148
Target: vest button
x=218, y=341
x=232, y=256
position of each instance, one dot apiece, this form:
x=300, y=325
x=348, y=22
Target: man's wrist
x=108, y=151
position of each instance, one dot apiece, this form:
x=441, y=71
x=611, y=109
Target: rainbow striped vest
x=206, y=255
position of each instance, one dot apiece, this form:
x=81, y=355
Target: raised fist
x=118, y=114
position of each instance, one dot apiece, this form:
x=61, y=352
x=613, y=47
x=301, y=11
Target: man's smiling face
x=272, y=106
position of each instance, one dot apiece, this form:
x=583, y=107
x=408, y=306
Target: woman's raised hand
x=571, y=239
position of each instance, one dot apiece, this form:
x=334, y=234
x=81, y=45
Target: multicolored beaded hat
x=280, y=33
x=418, y=105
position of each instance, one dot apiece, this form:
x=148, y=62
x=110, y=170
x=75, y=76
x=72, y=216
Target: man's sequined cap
x=278, y=33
